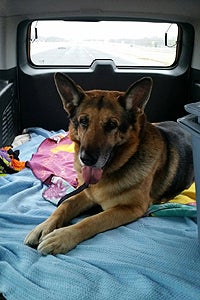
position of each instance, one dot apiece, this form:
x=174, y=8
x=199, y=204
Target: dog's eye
x=84, y=122
x=110, y=125
x=75, y=122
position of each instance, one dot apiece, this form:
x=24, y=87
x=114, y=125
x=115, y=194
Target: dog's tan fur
x=138, y=165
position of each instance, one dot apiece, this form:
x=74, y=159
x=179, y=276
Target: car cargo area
x=105, y=45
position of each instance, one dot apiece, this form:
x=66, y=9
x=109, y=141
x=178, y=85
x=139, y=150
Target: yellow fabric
x=188, y=196
x=66, y=148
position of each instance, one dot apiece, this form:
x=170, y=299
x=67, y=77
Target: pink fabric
x=54, y=157
x=58, y=188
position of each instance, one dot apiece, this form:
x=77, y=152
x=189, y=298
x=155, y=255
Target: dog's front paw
x=36, y=235
x=59, y=241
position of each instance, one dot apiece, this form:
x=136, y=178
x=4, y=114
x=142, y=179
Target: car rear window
x=80, y=43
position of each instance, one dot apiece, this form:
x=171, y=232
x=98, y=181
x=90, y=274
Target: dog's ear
x=70, y=93
x=138, y=94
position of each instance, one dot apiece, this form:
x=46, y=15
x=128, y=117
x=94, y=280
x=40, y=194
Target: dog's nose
x=88, y=158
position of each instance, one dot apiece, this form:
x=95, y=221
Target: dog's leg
x=61, y=216
x=64, y=239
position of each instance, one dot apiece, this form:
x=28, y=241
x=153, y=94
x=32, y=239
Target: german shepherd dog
x=128, y=163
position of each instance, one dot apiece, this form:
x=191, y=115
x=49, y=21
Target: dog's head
x=101, y=122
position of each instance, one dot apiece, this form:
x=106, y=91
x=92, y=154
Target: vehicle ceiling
x=177, y=10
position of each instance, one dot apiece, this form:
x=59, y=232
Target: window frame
x=106, y=61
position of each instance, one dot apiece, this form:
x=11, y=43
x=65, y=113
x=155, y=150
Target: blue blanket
x=153, y=258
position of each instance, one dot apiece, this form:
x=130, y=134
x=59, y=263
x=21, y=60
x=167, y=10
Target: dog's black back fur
x=180, y=140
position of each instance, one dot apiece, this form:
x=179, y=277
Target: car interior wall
x=171, y=10
x=9, y=102
x=195, y=65
x=8, y=35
